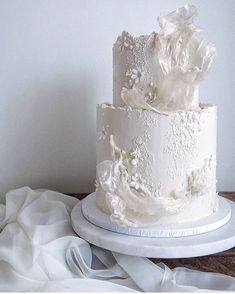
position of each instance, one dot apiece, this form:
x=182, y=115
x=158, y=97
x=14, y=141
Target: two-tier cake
x=156, y=144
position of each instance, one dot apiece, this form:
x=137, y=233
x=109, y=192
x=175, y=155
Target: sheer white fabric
x=39, y=251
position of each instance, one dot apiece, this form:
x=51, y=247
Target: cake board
x=217, y=240
x=216, y=220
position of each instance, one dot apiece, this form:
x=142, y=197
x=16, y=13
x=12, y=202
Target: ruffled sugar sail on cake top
x=162, y=72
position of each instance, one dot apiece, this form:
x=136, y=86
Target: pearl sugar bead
x=133, y=162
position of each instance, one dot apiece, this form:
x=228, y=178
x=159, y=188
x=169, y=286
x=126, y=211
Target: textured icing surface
x=151, y=166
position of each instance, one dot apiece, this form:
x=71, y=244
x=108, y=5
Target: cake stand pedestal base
x=218, y=240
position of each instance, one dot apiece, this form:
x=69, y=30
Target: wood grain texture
x=223, y=262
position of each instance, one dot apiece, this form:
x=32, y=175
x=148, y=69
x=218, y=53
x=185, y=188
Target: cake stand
x=209, y=236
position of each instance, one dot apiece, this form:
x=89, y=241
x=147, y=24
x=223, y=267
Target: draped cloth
x=39, y=251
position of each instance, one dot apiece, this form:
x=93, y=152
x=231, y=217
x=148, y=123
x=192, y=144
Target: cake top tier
x=162, y=71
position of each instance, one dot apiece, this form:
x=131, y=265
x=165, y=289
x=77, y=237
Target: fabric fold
x=39, y=251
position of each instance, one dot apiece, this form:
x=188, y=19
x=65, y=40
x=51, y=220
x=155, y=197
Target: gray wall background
x=56, y=65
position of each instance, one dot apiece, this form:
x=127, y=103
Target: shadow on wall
x=50, y=141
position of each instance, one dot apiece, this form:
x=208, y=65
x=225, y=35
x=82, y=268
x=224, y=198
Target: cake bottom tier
x=155, y=168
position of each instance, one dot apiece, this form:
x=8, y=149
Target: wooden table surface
x=223, y=262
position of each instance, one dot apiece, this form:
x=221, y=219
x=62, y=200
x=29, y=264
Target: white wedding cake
x=156, y=144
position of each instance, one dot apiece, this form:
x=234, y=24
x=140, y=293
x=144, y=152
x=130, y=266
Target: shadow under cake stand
x=210, y=235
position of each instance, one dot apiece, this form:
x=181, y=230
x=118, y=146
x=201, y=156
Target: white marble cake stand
x=208, y=243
